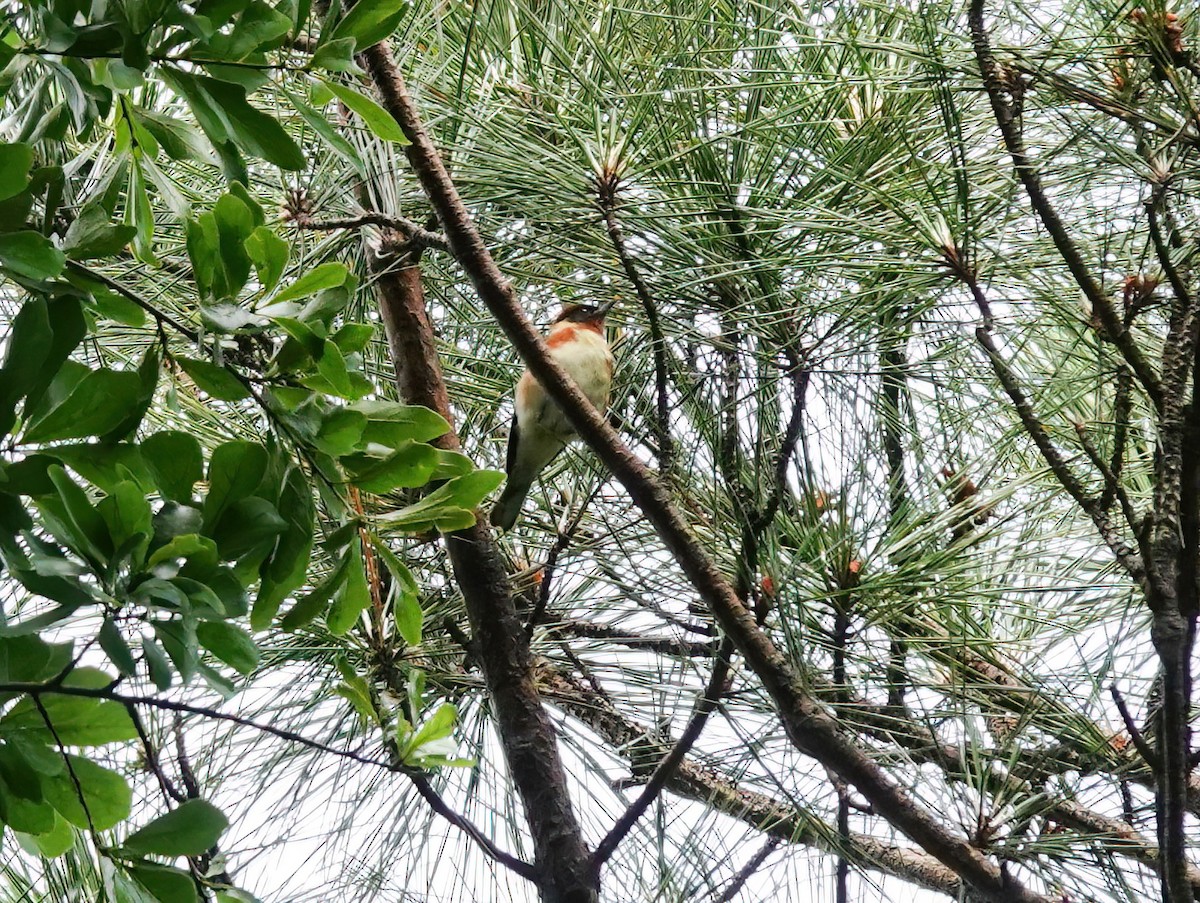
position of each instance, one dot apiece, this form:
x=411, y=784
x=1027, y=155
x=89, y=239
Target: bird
x=540, y=429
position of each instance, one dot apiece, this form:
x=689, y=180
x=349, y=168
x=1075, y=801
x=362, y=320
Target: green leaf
x=353, y=598
x=320, y=124
x=30, y=659
x=191, y=829
x=166, y=884
x=30, y=255
x=52, y=843
x=15, y=163
x=157, y=664
x=30, y=341
x=391, y=423
x=234, y=472
x=327, y=275
x=377, y=119
x=127, y=514
x=106, y=464
x=113, y=642
x=335, y=56
x=410, y=465
x=223, y=113
x=286, y=569
x=230, y=644
x=258, y=27
x=409, y=617
x=77, y=721
x=189, y=546
x=73, y=519
x=450, y=507
x=331, y=365
x=101, y=401
x=353, y=337
x=370, y=21
x=341, y=431
x=176, y=461
x=179, y=639
x=92, y=234
x=218, y=382
x=245, y=525
x=269, y=254
x=105, y=793
x=311, y=604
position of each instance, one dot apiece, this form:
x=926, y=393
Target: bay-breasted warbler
x=540, y=430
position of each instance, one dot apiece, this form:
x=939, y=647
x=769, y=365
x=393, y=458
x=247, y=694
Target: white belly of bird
x=588, y=361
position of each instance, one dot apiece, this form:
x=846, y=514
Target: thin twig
x=1139, y=742
x=418, y=237
x=747, y=871
x=672, y=760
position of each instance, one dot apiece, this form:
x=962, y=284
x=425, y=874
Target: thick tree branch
x=809, y=727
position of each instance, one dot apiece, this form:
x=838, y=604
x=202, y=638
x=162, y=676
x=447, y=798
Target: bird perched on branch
x=540, y=429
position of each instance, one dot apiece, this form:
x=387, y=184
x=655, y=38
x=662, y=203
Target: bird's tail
x=508, y=506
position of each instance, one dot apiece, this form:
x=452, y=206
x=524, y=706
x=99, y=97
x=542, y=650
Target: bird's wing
x=514, y=437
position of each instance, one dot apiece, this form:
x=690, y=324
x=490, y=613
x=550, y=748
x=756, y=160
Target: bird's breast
x=583, y=354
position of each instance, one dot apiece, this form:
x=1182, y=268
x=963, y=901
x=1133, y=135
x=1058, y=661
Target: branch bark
x=809, y=727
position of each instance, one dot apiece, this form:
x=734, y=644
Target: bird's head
x=584, y=313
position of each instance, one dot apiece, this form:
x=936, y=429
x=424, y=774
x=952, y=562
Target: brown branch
x=746, y=871
x=672, y=760
x=526, y=733
x=656, y=644
x=1036, y=430
x=418, y=237
x=606, y=186
x=995, y=86
x=809, y=727
x=785, y=821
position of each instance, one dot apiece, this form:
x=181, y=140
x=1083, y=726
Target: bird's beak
x=603, y=309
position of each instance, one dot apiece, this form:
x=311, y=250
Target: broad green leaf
x=376, y=118
x=105, y=464
x=115, y=646
x=166, y=884
x=391, y=423
x=157, y=663
x=15, y=163
x=223, y=113
x=269, y=254
x=341, y=431
x=409, y=617
x=216, y=381
x=353, y=337
x=74, y=520
x=286, y=569
x=147, y=373
x=29, y=344
x=439, y=726
x=93, y=234
x=30, y=659
x=179, y=639
x=245, y=525
x=410, y=465
x=318, y=122
x=128, y=516
x=331, y=365
x=190, y=546
x=52, y=843
x=353, y=597
x=176, y=461
x=370, y=21
x=191, y=829
x=258, y=27
x=76, y=721
x=105, y=792
x=230, y=644
x=234, y=472
x=450, y=507
x=335, y=56
x=327, y=275
x=98, y=404
x=30, y=255
x=311, y=604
